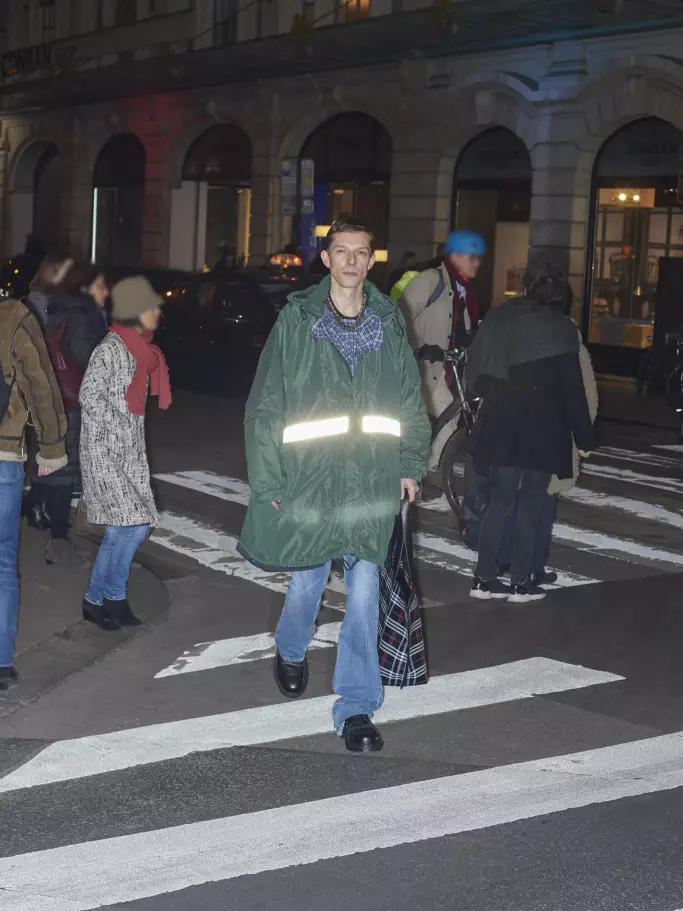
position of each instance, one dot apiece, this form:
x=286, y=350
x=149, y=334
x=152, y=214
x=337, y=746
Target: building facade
x=163, y=132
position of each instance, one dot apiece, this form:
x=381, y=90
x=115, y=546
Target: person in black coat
x=524, y=363
x=77, y=304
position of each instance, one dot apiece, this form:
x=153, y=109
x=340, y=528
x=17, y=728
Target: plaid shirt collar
x=366, y=336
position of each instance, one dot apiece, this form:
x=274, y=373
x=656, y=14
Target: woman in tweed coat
x=116, y=477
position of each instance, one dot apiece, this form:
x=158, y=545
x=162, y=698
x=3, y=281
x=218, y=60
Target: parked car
x=213, y=329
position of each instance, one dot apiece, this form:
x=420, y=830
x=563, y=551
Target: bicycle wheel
x=644, y=376
x=453, y=469
x=674, y=387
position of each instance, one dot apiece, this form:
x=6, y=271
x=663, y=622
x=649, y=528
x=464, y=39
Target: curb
x=48, y=663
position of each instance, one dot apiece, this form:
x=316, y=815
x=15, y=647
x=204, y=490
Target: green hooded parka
x=330, y=448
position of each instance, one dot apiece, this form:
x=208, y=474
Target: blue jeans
x=357, y=680
x=112, y=565
x=11, y=491
x=544, y=536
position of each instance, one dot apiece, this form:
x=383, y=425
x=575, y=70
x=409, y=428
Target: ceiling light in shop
x=622, y=197
x=636, y=197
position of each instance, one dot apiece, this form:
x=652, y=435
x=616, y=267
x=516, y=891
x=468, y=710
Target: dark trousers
x=57, y=501
x=475, y=501
x=544, y=535
x=509, y=486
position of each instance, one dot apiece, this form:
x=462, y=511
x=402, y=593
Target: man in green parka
x=336, y=435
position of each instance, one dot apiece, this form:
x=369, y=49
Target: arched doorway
x=352, y=161
x=636, y=220
x=118, y=202
x=211, y=210
x=36, y=196
x=492, y=195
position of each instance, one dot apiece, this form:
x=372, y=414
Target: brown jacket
x=28, y=371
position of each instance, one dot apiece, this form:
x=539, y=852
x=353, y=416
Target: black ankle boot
x=121, y=612
x=100, y=616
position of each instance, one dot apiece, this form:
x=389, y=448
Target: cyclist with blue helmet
x=442, y=312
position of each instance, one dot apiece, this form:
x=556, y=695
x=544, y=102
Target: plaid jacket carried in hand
x=400, y=644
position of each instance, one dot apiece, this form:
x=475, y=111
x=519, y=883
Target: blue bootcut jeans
x=11, y=491
x=357, y=679
x=112, y=565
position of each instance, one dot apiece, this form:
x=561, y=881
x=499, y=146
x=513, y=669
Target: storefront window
x=638, y=220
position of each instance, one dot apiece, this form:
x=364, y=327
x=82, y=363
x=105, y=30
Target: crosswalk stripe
x=626, y=476
x=638, y=508
x=145, y=864
x=649, y=459
x=80, y=758
x=678, y=447
x=224, y=488
x=218, y=550
x=607, y=546
x=206, y=656
x=428, y=548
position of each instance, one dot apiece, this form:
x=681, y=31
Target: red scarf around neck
x=471, y=301
x=149, y=362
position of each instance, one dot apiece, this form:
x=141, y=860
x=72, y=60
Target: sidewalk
x=619, y=402
x=54, y=641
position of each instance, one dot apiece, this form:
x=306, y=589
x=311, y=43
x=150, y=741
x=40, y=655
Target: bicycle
x=451, y=459
x=671, y=368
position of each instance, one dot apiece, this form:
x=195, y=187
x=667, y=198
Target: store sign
x=307, y=178
x=25, y=61
x=288, y=185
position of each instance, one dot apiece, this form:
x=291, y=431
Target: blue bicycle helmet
x=465, y=242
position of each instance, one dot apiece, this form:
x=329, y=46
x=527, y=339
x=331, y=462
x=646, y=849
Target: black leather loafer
x=291, y=676
x=121, y=612
x=361, y=735
x=100, y=616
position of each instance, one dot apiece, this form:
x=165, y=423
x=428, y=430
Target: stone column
x=560, y=203
x=263, y=171
x=157, y=202
x=419, y=201
x=77, y=195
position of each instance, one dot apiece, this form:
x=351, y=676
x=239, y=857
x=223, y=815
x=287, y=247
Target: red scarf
x=470, y=297
x=149, y=362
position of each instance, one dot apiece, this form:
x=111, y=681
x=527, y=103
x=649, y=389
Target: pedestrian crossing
x=639, y=506
x=115, y=814
x=145, y=861
x=133, y=867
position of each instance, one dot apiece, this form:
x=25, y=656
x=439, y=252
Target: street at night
x=341, y=455
x=539, y=768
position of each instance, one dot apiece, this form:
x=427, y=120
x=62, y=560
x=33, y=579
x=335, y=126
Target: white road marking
x=430, y=546
x=636, y=457
x=673, y=448
x=607, y=546
x=626, y=476
x=217, y=550
x=638, y=508
x=205, y=656
x=80, y=758
x=133, y=867
x=215, y=485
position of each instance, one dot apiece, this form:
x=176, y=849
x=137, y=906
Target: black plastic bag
x=400, y=641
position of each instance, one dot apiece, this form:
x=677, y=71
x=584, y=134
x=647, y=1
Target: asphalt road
x=541, y=769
